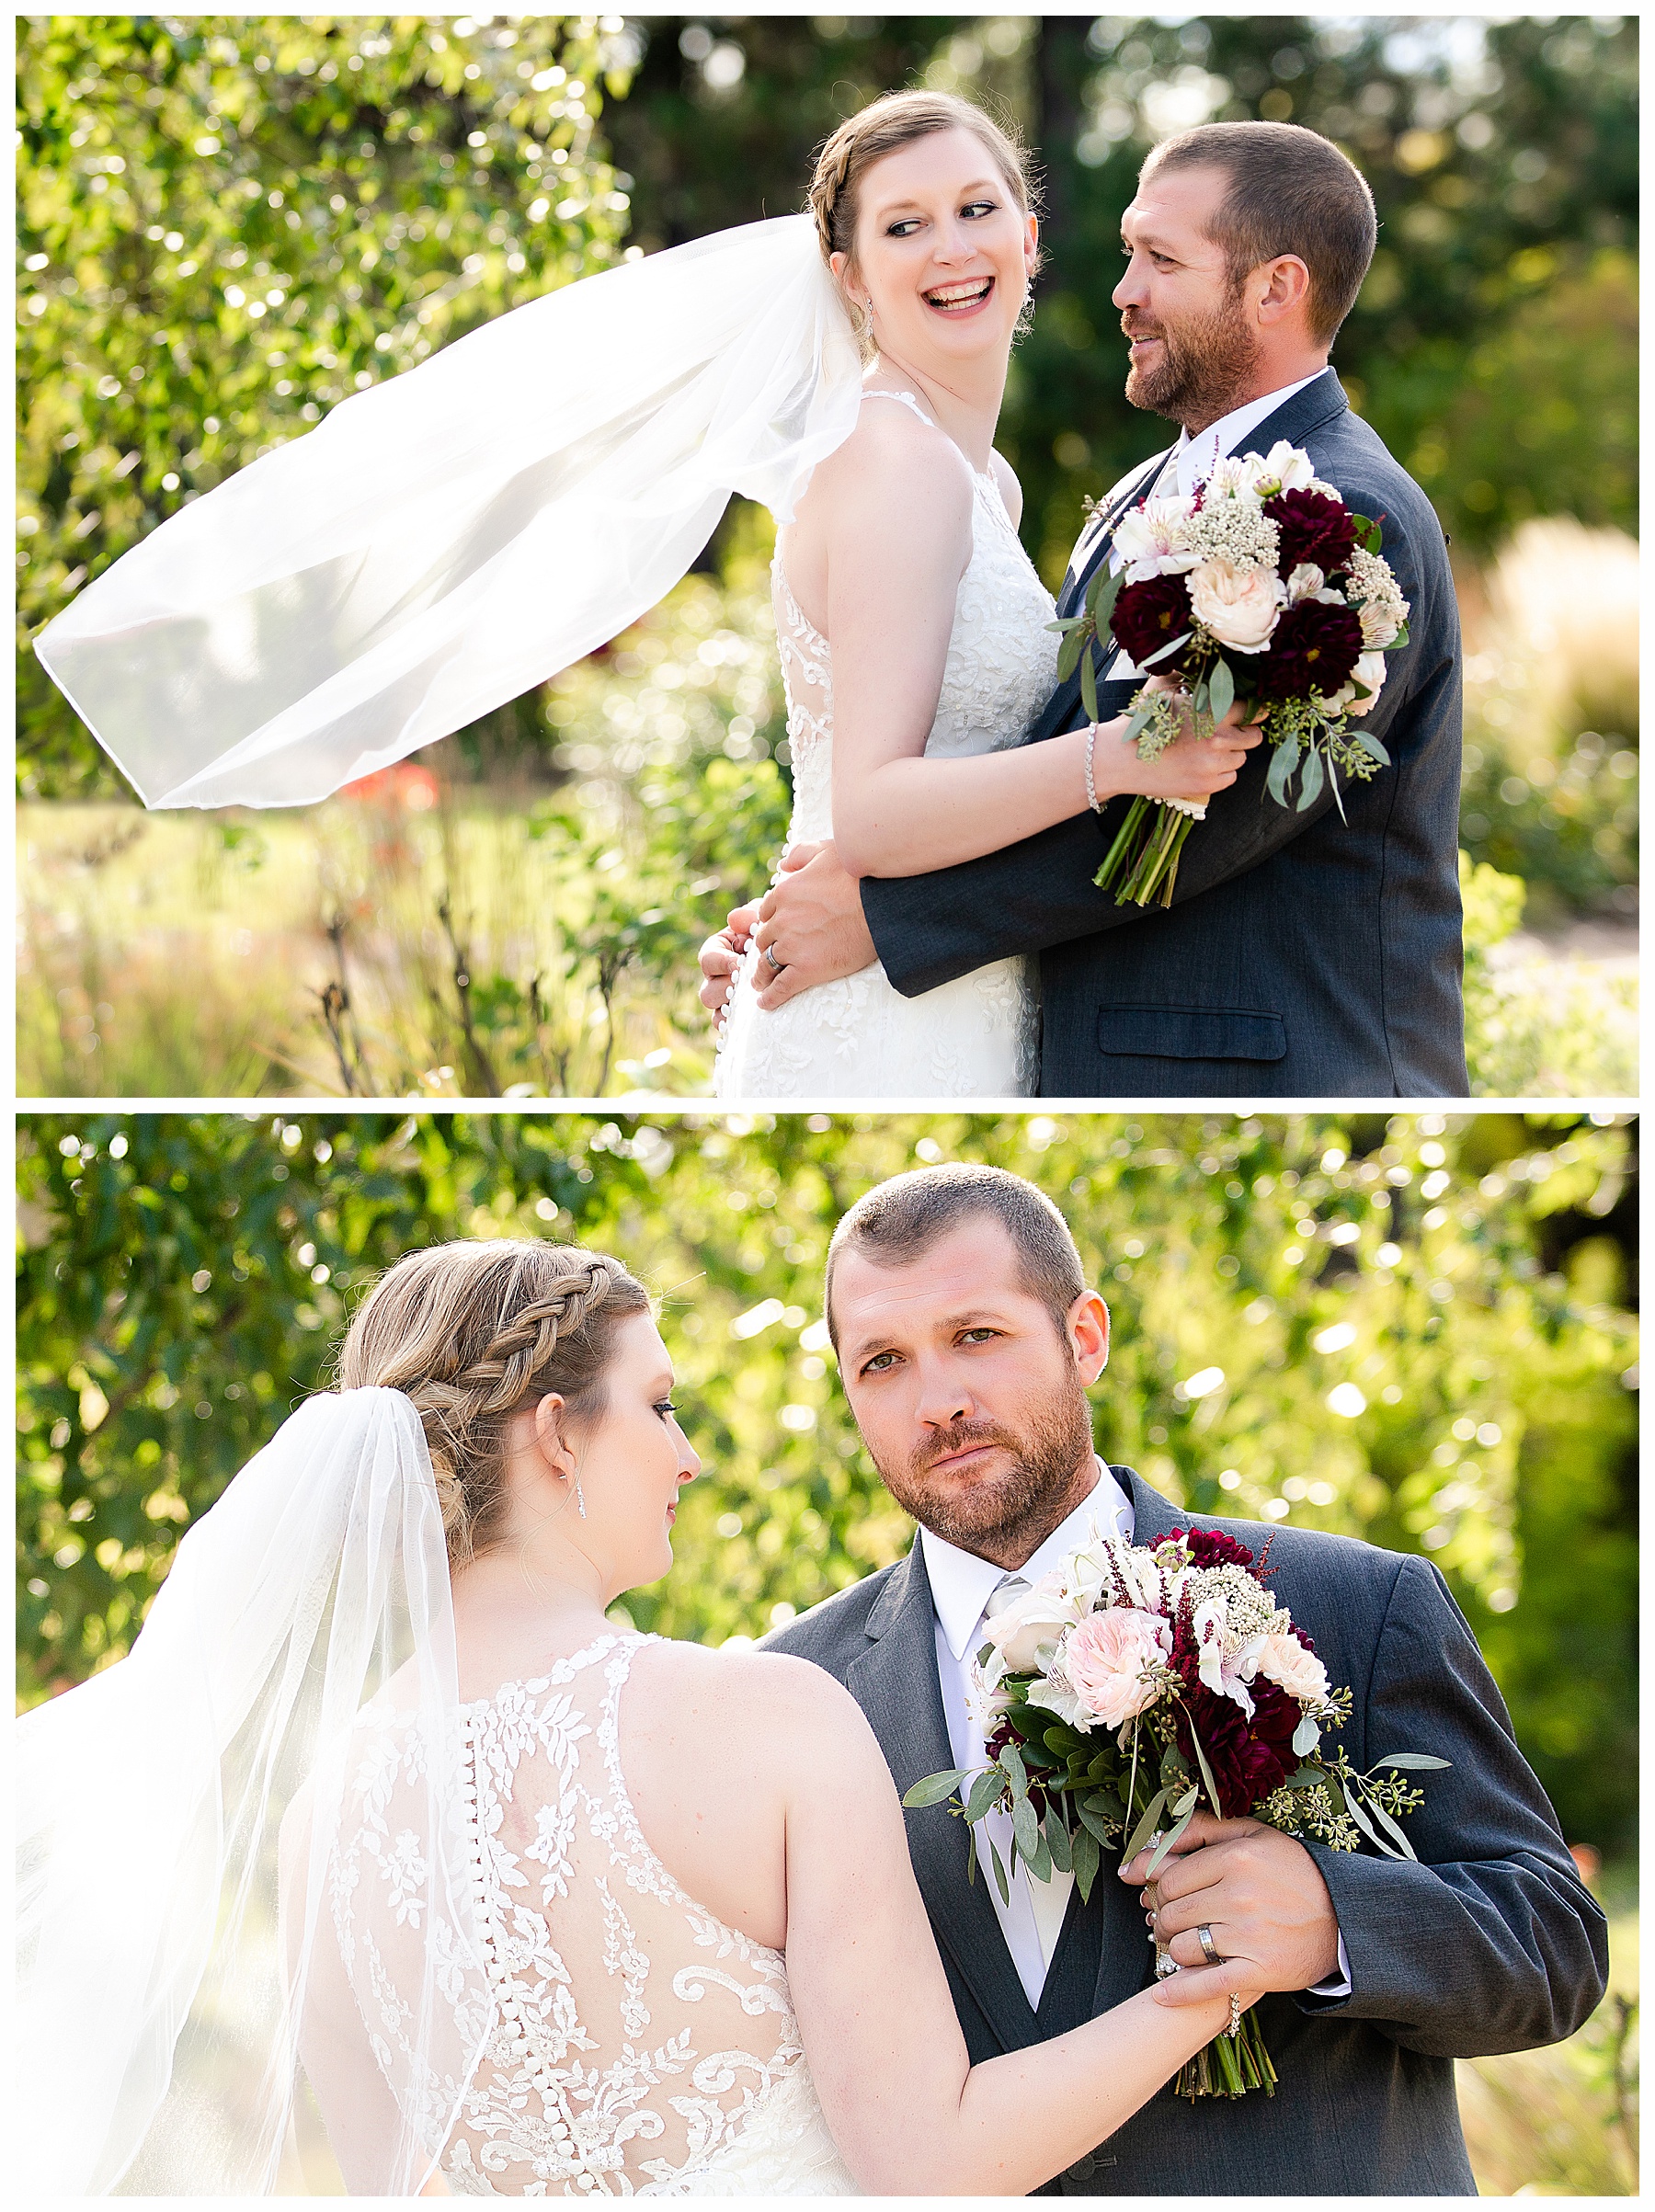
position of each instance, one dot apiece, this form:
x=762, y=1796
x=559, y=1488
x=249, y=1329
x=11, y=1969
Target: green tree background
x=1419, y=1330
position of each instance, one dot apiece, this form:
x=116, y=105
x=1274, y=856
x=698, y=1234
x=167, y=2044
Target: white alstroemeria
x=1087, y=1575
x=1307, y=582
x=1218, y=1668
x=1369, y=670
x=985, y=1701
x=1056, y=1696
x=1231, y=478
x=1149, y=539
x=1283, y=469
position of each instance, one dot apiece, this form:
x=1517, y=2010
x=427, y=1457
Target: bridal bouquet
x=1262, y=586
x=1131, y=1686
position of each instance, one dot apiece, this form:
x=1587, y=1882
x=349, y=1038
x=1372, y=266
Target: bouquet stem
x=1230, y=2064
x=1142, y=864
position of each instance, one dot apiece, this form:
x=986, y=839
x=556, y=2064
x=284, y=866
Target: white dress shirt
x=961, y=1586
x=1190, y=462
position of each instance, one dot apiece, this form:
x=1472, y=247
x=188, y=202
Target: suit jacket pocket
x=1192, y=1032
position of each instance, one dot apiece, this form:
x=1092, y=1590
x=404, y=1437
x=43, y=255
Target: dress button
x=1081, y=2170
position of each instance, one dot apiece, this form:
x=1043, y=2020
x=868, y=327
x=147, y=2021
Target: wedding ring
x=769, y=953
x=1209, y=1949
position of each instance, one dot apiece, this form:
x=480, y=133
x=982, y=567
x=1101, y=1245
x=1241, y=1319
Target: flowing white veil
x=449, y=538
x=184, y=1815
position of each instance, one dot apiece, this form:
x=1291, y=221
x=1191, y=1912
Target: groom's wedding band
x=769, y=953
x=1209, y=1949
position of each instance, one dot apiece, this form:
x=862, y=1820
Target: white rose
x=1031, y=1624
x=1238, y=605
x=1149, y=539
x=1284, y=1661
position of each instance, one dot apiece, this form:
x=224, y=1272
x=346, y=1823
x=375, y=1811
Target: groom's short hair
x=1291, y=191
x=900, y=1220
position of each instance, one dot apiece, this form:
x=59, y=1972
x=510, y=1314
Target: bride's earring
x=579, y=1499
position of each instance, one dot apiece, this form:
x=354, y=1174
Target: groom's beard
x=1013, y=1511
x=1203, y=366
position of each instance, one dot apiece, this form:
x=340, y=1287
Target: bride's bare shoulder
x=893, y=453
x=768, y=1696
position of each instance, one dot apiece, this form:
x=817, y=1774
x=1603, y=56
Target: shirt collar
x=1195, y=456
x=960, y=1583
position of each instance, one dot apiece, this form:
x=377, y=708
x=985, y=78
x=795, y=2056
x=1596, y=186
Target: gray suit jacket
x=1491, y=1944
x=1302, y=955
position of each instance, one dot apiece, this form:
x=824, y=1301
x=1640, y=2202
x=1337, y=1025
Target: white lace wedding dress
x=857, y=1037
x=642, y=2047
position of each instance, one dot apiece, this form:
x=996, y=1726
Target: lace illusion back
x=857, y=1037
x=642, y=2047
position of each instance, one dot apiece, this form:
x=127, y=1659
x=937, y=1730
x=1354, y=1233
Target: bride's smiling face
x=944, y=252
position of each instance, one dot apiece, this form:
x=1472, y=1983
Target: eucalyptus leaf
x=1101, y=599
x=1283, y=761
x=984, y=1793
x=1163, y=652
x=1372, y=747
x=1025, y=1826
x=1358, y=1813
x=935, y=1788
x=1057, y=1841
x=1310, y=783
x=1206, y=1775
x=1146, y=1827
x=1069, y=660
x=1221, y=689
x=1137, y=724
x=1000, y=1872
x=1305, y=1737
x=1089, y=687
x=1086, y=1859
x=1173, y=1836
x=1096, y=1824
x=1040, y=1859
x=1017, y=1775
x=1421, y=1760
x=1391, y=1828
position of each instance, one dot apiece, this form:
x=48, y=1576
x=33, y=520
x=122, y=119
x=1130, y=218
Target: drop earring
x=579, y=1499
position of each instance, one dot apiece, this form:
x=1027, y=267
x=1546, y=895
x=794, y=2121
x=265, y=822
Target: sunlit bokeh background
x=230, y=222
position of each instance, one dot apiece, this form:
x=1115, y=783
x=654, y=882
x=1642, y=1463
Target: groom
x=966, y=1338
x=1303, y=955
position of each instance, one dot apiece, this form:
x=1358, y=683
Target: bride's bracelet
x=1092, y=789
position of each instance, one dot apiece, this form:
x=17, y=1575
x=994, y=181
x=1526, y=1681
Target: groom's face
x=1195, y=353
x=969, y=1395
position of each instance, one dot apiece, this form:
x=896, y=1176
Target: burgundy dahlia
x=1212, y=1547
x=1313, y=651
x=1249, y=1758
x=1314, y=529
x=1150, y=615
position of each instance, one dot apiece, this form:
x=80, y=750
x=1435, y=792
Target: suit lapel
x=896, y=1684
x=1095, y=539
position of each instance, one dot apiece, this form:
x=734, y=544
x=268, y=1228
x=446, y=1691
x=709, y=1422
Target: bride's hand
x=1190, y=768
x=1198, y=1984
x=721, y=955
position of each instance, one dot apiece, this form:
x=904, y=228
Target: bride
x=904, y=552
x=452, y=537
x=534, y=1905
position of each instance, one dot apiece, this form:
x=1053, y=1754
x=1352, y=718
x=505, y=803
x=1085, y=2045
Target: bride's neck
x=514, y=1614
x=965, y=399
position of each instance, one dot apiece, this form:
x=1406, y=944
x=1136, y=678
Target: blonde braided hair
x=894, y=120
x=475, y=1333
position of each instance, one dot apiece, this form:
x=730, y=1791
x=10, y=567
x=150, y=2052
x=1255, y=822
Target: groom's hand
x=1258, y=1892
x=812, y=920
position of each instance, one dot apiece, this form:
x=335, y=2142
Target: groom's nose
x=943, y=1396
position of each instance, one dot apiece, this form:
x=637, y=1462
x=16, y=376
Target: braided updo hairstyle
x=894, y=120
x=473, y=1333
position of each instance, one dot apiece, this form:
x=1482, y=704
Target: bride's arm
x=910, y=2114
x=894, y=515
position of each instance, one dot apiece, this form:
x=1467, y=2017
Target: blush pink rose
x=1284, y=1661
x=1108, y=1657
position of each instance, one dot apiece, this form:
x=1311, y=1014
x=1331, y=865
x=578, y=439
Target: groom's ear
x=1088, y=1329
